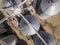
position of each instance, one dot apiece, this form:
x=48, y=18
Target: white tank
x=9, y=40
x=50, y=40
x=8, y=6
x=25, y=28
x=2, y=29
x=49, y=8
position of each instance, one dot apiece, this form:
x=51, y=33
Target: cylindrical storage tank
x=25, y=27
x=2, y=29
x=50, y=40
x=9, y=5
x=9, y=40
x=49, y=8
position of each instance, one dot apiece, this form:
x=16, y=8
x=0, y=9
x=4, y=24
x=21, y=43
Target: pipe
x=9, y=40
x=33, y=29
x=6, y=18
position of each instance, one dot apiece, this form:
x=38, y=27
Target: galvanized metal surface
x=47, y=24
x=25, y=27
x=53, y=24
